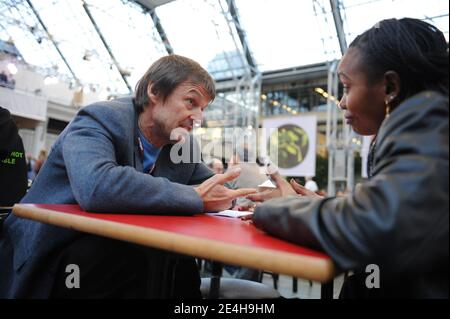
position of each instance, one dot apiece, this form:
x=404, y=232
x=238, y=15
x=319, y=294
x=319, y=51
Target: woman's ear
x=392, y=86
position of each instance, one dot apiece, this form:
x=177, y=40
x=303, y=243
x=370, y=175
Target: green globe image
x=292, y=143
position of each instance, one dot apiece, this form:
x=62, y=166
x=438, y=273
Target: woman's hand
x=283, y=189
x=301, y=190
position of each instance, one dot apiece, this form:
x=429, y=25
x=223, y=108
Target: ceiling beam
x=161, y=31
x=152, y=4
x=242, y=37
x=335, y=4
x=97, y=29
x=50, y=37
x=149, y=7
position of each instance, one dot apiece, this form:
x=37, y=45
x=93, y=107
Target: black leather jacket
x=398, y=220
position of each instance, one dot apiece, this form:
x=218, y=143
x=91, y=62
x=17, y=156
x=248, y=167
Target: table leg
x=215, y=280
x=294, y=285
x=326, y=290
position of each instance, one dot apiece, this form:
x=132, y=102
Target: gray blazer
x=96, y=163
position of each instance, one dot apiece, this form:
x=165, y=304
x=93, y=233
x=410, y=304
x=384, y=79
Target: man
x=116, y=157
x=13, y=170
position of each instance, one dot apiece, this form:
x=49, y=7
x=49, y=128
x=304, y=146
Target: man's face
x=363, y=103
x=180, y=111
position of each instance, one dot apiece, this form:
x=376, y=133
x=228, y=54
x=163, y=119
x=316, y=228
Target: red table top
x=225, y=239
x=226, y=229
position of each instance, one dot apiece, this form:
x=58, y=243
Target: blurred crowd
x=34, y=165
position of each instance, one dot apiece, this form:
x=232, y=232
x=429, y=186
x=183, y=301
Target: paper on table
x=267, y=184
x=232, y=213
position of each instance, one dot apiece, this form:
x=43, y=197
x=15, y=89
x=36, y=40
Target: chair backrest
x=4, y=212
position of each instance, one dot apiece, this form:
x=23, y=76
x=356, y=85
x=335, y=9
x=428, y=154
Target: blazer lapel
x=138, y=151
x=137, y=157
x=164, y=166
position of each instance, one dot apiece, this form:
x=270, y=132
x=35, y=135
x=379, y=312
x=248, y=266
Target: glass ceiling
x=130, y=34
x=80, y=45
x=279, y=33
x=199, y=29
x=18, y=24
x=289, y=33
x=357, y=18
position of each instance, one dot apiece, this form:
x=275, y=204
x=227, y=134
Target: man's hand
x=283, y=189
x=217, y=197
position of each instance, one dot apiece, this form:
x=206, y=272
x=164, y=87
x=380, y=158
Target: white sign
x=290, y=143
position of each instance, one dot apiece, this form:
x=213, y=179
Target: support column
x=40, y=137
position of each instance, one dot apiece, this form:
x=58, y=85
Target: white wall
x=27, y=80
x=59, y=105
x=24, y=104
x=31, y=81
x=27, y=139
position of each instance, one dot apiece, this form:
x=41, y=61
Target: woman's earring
x=388, y=105
x=388, y=109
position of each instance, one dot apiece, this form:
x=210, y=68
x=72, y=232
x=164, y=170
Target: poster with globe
x=290, y=143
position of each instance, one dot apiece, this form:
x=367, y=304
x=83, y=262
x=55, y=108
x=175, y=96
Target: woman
x=395, y=79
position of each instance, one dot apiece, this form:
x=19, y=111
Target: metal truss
x=242, y=86
x=339, y=136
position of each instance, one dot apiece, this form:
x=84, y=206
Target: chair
x=295, y=284
x=231, y=288
x=276, y=277
x=4, y=212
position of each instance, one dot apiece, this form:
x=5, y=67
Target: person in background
x=115, y=156
x=6, y=80
x=216, y=165
x=42, y=157
x=30, y=167
x=396, y=80
x=13, y=169
x=3, y=78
